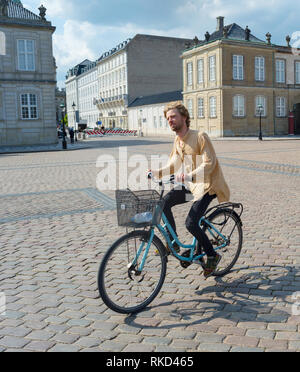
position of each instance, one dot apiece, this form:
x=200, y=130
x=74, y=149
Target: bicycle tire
x=116, y=290
x=213, y=218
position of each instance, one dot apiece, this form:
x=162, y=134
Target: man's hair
x=182, y=110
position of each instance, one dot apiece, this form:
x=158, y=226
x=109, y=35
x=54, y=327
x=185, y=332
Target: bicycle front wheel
x=121, y=286
x=229, y=225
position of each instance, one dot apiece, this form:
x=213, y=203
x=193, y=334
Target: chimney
x=220, y=23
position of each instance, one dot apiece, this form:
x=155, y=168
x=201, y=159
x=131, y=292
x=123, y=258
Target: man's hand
x=182, y=177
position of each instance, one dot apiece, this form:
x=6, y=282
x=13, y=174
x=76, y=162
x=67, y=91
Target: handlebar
x=164, y=182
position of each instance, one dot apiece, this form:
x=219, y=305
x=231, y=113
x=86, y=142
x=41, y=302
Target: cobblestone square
x=55, y=227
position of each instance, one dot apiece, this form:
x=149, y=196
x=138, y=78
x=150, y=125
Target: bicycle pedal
x=186, y=264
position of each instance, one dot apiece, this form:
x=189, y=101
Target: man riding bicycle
x=193, y=160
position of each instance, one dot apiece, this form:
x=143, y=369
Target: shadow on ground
x=252, y=297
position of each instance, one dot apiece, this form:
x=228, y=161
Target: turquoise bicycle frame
x=192, y=247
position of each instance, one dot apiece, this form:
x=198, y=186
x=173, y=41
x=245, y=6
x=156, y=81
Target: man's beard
x=177, y=128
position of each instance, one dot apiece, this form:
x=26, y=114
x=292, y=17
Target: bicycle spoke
x=229, y=226
x=121, y=284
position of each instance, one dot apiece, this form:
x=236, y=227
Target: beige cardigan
x=196, y=157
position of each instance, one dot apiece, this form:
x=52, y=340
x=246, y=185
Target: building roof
x=15, y=9
x=157, y=98
x=235, y=32
x=229, y=32
x=81, y=68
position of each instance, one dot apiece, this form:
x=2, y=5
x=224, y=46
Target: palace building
x=235, y=82
x=27, y=77
x=142, y=66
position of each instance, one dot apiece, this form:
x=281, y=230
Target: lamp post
x=74, y=106
x=64, y=142
x=260, y=111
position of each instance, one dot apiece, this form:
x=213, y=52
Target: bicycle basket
x=133, y=203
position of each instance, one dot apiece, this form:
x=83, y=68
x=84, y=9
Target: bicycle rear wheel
x=229, y=225
x=122, y=288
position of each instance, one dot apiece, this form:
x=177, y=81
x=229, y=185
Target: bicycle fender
x=231, y=211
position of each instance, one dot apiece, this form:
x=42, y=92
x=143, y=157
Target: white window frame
x=280, y=70
x=239, y=109
x=200, y=70
x=27, y=54
x=281, y=107
x=201, y=113
x=238, y=67
x=260, y=68
x=297, y=72
x=189, y=71
x=29, y=106
x=212, y=68
x=212, y=107
x=190, y=107
x=261, y=100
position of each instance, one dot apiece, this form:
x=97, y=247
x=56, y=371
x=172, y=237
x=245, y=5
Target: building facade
x=144, y=65
x=235, y=82
x=27, y=77
x=81, y=90
x=146, y=114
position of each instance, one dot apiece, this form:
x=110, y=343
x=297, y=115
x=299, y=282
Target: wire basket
x=132, y=204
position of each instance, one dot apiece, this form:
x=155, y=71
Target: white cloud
x=55, y=8
x=81, y=40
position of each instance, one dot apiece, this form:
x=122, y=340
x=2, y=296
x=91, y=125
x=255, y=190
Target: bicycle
x=134, y=268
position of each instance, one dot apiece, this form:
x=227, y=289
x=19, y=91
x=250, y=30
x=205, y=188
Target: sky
x=87, y=29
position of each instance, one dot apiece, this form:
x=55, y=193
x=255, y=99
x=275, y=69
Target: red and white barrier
x=110, y=132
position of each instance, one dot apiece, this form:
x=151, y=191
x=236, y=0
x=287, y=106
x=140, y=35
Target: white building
x=146, y=114
x=113, y=87
x=82, y=88
x=144, y=65
x=27, y=77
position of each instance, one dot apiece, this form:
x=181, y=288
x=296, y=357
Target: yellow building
x=235, y=82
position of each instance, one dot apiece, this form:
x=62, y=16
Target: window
x=190, y=107
x=154, y=122
x=212, y=107
x=238, y=67
x=26, y=58
x=297, y=72
x=200, y=107
x=280, y=71
x=200, y=71
x=190, y=74
x=280, y=107
x=260, y=101
x=29, y=106
x=239, y=106
x=259, y=68
x=212, y=68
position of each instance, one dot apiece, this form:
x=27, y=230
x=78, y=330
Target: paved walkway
x=56, y=225
x=97, y=141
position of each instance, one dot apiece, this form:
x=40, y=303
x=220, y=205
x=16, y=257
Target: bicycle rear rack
x=227, y=205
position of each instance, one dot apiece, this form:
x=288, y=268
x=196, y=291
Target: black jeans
x=178, y=196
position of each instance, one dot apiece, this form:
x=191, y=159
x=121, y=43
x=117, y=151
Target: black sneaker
x=211, y=265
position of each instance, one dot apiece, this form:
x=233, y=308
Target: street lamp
x=260, y=111
x=64, y=142
x=74, y=106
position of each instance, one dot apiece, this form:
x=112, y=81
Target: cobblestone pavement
x=55, y=226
